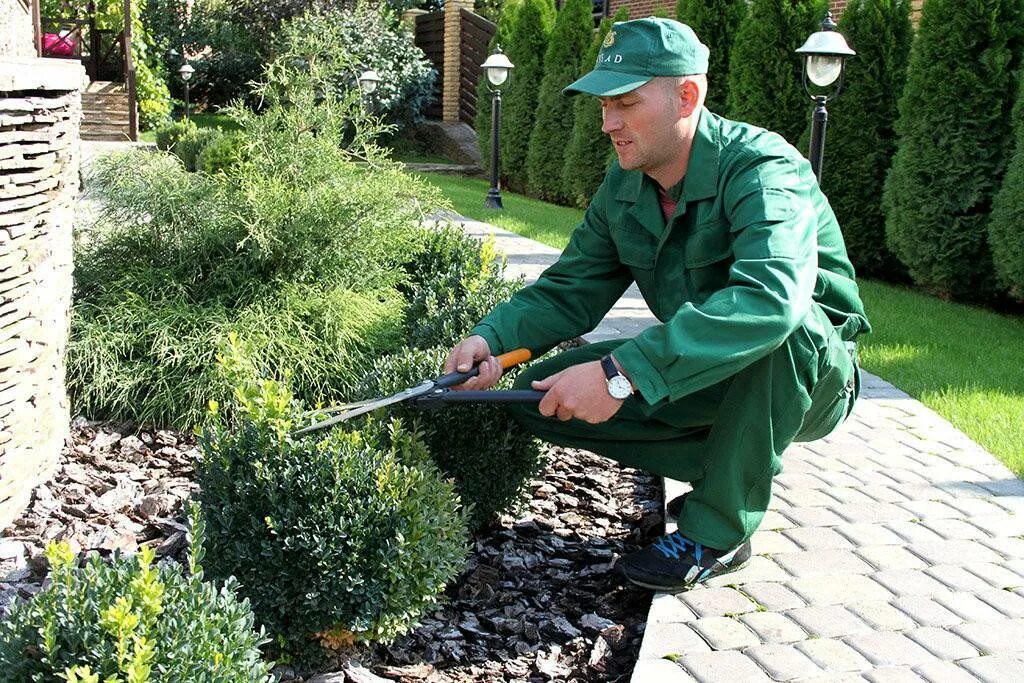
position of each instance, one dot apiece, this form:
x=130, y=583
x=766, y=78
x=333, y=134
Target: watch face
x=619, y=387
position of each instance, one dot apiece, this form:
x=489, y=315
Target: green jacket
x=752, y=243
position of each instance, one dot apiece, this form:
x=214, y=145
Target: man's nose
x=610, y=122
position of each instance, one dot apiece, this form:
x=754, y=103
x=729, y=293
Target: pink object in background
x=58, y=44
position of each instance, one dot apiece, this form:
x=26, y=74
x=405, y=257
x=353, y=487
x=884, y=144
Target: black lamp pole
x=493, y=200
x=819, y=122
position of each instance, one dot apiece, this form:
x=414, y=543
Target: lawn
x=963, y=362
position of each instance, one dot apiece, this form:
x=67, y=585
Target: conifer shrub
x=586, y=159
x=336, y=537
x=1006, y=226
x=489, y=456
x=130, y=621
x=302, y=245
x=861, y=135
x=715, y=22
x=951, y=152
x=527, y=44
x=765, y=74
x=339, y=44
x=570, y=38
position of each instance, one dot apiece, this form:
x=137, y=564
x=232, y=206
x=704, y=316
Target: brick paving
x=893, y=550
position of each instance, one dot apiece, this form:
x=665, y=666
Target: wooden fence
x=476, y=37
x=430, y=39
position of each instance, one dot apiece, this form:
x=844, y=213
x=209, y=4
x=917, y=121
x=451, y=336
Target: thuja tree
x=526, y=47
x=586, y=160
x=482, y=119
x=1004, y=228
x=861, y=136
x=954, y=128
x=764, y=85
x=570, y=39
x=715, y=23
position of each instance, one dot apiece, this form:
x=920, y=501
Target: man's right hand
x=465, y=354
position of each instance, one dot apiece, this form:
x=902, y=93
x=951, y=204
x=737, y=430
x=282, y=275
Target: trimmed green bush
x=482, y=120
x=341, y=536
x=455, y=282
x=586, y=160
x=169, y=134
x=1006, y=226
x=224, y=152
x=570, y=38
x=716, y=23
x=527, y=45
x=954, y=130
x=192, y=144
x=299, y=246
x=128, y=620
x=490, y=457
x=765, y=74
x=861, y=135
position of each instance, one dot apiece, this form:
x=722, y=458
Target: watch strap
x=608, y=365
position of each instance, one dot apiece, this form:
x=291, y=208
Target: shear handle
x=507, y=360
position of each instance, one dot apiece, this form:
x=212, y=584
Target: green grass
x=207, y=120
x=963, y=362
x=528, y=217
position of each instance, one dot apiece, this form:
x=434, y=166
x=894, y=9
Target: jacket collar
x=701, y=179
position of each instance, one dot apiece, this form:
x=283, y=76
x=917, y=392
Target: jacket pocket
x=636, y=249
x=708, y=244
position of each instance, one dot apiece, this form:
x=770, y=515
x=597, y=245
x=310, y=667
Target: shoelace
x=672, y=545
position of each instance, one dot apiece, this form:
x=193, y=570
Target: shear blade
x=367, y=406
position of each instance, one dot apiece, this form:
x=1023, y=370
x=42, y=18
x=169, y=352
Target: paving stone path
x=893, y=551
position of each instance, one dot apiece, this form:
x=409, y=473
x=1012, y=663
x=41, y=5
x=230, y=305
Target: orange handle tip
x=507, y=360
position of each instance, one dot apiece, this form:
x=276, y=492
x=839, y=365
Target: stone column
x=40, y=113
x=452, y=58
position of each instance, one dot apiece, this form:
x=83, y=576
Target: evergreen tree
x=482, y=120
x=954, y=129
x=586, y=160
x=861, y=135
x=765, y=85
x=1006, y=227
x=570, y=38
x=715, y=22
x=526, y=47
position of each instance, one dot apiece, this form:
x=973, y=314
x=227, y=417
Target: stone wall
x=40, y=112
x=16, y=32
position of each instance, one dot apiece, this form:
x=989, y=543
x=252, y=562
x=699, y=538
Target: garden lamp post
x=185, y=72
x=825, y=52
x=497, y=67
x=368, y=81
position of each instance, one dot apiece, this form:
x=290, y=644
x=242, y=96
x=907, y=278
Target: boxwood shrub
x=128, y=620
x=487, y=453
x=339, y=537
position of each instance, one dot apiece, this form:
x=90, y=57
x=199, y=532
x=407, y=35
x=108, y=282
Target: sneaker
x=675, y=506
x=674, y=563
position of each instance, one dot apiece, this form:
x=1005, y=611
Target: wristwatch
x=618, y=386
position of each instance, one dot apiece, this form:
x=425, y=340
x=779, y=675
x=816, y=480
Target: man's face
x=642, y=126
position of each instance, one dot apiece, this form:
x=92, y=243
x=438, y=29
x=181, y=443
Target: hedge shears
x=433, y=393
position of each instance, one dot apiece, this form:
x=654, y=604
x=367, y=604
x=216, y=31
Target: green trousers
x=727, y=439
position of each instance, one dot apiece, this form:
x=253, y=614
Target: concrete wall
x=15, y=29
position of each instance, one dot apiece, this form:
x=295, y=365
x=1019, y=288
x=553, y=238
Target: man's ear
x=689, y=96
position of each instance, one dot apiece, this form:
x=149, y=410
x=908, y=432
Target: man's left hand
x=580, y=391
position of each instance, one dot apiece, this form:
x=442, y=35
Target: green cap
x=636, y=51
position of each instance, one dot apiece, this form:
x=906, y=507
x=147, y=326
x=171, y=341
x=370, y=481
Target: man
x=738, y=254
